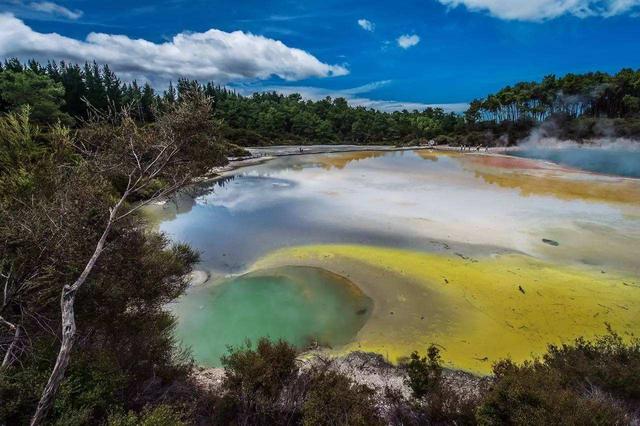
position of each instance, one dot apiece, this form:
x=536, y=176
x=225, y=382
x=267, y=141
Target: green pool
x=303, y=305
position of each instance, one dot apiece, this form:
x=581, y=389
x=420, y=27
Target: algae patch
x=477, y=310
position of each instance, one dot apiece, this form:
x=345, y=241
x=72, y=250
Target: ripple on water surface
x=302, y=305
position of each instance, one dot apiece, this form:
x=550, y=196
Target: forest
x=574, y=106
x=70, y=92
x=595, y=95
x=84, y=334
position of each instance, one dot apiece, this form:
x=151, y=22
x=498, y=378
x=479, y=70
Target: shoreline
x=260, y=155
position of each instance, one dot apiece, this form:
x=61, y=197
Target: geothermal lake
x=487, y=256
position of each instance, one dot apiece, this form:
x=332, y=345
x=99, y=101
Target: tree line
x=579, y=106
x=70, y=93
x=595, y=94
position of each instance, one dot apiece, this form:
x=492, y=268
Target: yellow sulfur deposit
x=476, y=310
x=617, y=190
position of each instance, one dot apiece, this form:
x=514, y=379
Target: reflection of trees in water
x=221, y=182
x=184, y=200
x=340, y=161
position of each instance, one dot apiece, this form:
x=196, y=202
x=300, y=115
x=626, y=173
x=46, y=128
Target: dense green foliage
x=335, y=399
x=42, y=94
x=424, y=373
x=575, y=106
x=56, y=191
x=266, y=385
x=584, y=383
x=254, y=381
x=261, y=119
x=436, y=401
x=265, y=118
x=592, y=94
x=161, y=415
x=587, y=383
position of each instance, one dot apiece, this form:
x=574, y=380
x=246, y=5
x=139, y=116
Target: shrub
x=438, y=402
x=233, y=150
x=254, y=380
x=590, y=383
x=161, y=415
x=533, y=394
x=606, y=363
x=444, y=140
x=335, y=399
x=424, y=375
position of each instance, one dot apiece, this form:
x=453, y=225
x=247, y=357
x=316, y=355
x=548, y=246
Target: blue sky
x=387, y=55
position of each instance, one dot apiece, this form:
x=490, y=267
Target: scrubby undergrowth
x=583, y=383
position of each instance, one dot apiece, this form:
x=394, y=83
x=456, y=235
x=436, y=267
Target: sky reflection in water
x=416, y=200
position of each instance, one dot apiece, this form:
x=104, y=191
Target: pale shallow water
x=468, y=206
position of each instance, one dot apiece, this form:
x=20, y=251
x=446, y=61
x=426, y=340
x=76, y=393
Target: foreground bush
x=583, y=384
x=254, y=381
x=266, y=385
x=436, y=401
x=334, y=399
x=162, y=415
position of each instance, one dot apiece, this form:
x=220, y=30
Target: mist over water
x=619, y=157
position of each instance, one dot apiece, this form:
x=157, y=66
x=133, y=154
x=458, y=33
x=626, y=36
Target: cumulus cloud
x=211, y=55
x=366, y=24
x=540, y=10
x=354, y=96
x=406, y=41
x=55, y=9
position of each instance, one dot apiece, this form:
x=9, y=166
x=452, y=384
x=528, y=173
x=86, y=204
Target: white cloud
x=55, y=9
x=366, y=24
x=540, y=10
x=406, y=41
x=212, y=55
x=353, y=96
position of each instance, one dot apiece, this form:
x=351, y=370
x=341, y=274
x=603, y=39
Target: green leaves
x=41, y=93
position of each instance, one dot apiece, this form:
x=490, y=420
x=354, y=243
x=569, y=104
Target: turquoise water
x=612, y=161
x=304, y=306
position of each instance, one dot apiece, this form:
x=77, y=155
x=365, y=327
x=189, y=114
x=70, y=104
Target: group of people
x=477, y=147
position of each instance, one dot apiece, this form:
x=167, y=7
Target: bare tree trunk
x=57, y=375
x=67, y=302
x=9, y=358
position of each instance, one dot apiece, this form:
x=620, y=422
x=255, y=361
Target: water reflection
x=420, y=200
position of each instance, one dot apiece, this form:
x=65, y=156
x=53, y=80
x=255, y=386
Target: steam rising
x=607, y=155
